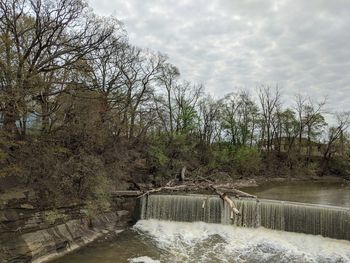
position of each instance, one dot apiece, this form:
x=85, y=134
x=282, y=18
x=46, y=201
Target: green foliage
x=157, y=156
x=167, y=154
x=219, y=157
x=188, y=119
x=54, y=216
x=99, y=205
x=340, y=165
x=247, y=160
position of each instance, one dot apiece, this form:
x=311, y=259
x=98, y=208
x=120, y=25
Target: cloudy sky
x=300, y=45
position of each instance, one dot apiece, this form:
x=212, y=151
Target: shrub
x=82, y=177
x=53, y=216
x=340, y=165
x=157, y=156
x=247, y=160
x=59, y=177
x=219, y=158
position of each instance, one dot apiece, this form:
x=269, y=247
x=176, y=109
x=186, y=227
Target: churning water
x=199, y=242
x=157, y=241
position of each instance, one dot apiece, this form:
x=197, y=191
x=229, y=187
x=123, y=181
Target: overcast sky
x=301, y=45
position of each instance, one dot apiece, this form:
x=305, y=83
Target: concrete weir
x=328, y=221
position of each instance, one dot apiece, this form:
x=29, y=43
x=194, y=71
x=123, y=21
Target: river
x=167, y=241
x=324, y=193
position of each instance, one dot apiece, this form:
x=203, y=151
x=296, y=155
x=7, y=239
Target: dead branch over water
x=200, y=185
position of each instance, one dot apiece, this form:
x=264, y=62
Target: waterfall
x=327, y=221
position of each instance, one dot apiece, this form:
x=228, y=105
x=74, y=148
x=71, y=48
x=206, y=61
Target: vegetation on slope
x=84, y=112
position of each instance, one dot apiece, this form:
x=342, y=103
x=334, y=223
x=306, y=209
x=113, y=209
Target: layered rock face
x=29, y=233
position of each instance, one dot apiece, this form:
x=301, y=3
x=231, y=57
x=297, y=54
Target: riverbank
x=258, y=181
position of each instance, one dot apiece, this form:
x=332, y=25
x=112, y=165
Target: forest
x=84, y=112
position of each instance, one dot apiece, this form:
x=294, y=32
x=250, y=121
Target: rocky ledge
x=45, y=244
x=29, y=233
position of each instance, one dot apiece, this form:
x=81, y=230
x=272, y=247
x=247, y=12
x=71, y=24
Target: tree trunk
x=10, y=117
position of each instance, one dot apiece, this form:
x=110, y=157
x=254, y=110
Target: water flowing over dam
x=328, y=221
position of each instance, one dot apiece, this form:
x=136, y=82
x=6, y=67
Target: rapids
x=200, y=242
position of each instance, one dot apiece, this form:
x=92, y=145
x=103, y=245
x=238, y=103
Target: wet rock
x=27, y=206
x=122, y=213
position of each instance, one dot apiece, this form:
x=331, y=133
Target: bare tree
x=39, y=37
x=269, y=102
x=168, y=78
x=313, y=122
x=209, y=111
x=336, y=133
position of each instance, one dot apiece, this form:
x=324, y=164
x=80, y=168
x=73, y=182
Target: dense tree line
x=75, y=96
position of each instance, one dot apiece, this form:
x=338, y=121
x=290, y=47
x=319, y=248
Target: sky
x=303, y=46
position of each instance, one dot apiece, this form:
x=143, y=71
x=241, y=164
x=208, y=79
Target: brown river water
x=168, y=241
x=324, y=193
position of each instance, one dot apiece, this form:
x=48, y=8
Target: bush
x=340, y=166
x=248, y=161
x=60, y=177
x=54, y=216
x=219, y=158
x=168, y=154
x=157, y=156
x=82, y=177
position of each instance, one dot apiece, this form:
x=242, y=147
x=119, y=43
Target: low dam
x=328, y=221
x=196, y=228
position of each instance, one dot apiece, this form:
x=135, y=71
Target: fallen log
x=244, y=194
x=237, y=193
x=231, y=188
x=222, y=190
x=126, y=193
x=195, y=186
x=171, y=188
x=229, y=201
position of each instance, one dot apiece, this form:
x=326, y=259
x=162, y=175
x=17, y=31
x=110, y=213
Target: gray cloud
x=303, y=46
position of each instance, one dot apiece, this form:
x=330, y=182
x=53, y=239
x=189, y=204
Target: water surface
x=114, y=248
x=324, y=193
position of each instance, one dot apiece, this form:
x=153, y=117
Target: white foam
x=202, y=242
x=143, y=260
